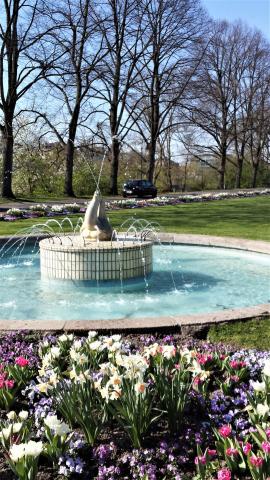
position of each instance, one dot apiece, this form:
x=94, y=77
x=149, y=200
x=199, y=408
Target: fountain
x=127, y=276
x=97, y=253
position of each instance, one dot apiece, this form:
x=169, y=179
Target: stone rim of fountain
x=187, y=323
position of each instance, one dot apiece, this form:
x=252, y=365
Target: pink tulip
x=225, y=431
x=256, y=461
x=246, y=448
x=21, y=361
x=266, y=447
x=224, y=474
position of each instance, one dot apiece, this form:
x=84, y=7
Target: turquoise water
x=185, y=280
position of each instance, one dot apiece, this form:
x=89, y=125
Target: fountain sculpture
x=97, y=253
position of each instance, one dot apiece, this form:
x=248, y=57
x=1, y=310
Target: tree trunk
x=222, y=169
x=184, y=185
x=152, y=160
x=114, y=166
x=238, y=176
x=68, y=189
x=8, y=143
x=169, y=174
x=255, y=173
x=70, y=149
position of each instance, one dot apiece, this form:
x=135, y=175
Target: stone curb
x=182, y=323
x=155, y=323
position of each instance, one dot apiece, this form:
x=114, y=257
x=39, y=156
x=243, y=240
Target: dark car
x=139, y=188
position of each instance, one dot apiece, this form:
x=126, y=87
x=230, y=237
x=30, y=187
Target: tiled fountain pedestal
x=73, y=258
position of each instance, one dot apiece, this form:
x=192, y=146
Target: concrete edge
x=147, y=323
x=196, y=322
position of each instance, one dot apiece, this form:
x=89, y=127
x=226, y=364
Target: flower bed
x=44, y=210
x=106, y=407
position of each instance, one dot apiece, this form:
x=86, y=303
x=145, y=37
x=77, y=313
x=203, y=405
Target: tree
x=210, y=109
x=120, y=24
x=170, y=61
x=250, y=92
x=24, y=61
x=70, y=80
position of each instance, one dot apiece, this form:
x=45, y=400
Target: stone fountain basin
x=76, y=258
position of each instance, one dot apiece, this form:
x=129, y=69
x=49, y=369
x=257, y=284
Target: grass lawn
x=250, y=334
x=242, y=217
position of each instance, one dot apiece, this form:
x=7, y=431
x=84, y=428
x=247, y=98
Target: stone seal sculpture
x=96, y=225
x=96, y=253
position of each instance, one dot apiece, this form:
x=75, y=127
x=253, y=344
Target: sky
x=255, y=13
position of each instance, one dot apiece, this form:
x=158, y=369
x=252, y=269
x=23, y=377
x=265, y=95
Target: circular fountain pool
x=185, y=280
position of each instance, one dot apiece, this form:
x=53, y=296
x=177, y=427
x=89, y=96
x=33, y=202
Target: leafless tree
x=259, y=139
x=223, y=97
x=210, y=110
x=170, y=62
x=80, y=51
x=24, y=60
x=250, y=87
x=120, y=24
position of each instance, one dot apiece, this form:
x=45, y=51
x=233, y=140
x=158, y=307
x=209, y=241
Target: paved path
x=25, y=204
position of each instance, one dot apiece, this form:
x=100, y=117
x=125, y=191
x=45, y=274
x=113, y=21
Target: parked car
x=139, y=188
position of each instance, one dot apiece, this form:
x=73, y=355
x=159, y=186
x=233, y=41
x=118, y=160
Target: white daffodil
x=258, y=386
x=187, y=355
x=266, y=369
x=63, y=338
x=79, y=358
x=66, y=338
x=43, y=387
x=33, y=449
x=61, y=429
x=107, y=368
x=57, y=426
x=140, y=387
x=30, y=449
x=115, y=393
x=262, y=409
x=115, y=380
x=152, y=351
x=23, y=415
x=115, y=347
x=51, y=421
x=168, y=351
x=96, y=346
x=77, y=345
x=11, y=415
x=54, y=379
x=6, y=432
x=104, y=392
x=16, y=427
x=55, y=352
x=116, y=338
x=92, y=334
x=47, y=360
x=17, y=452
